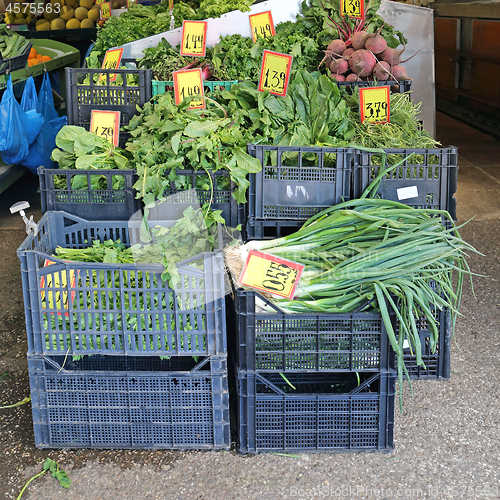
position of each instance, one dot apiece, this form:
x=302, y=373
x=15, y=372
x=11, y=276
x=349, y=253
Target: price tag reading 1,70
x=271, y=274
x=194, y=38
x=106, y=10
x=262, y=25
x=374, y=104
x=189, y=83
x=106, y=124
x=352, y=8
x=275, y=72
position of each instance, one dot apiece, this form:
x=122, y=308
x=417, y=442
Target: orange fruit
x=32, y=53
x=32, y=62
x=39, y=57
x=45, y=58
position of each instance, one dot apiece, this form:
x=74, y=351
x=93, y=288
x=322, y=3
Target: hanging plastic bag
x=45, y=104
x=29, y=99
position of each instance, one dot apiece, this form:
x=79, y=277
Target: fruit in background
x=67, y=13
x=42, y=25
x=81, y=13
x=58, y=24
x=73, y=24
x=87, y=23
x=50, y=16
x=88, y=4
x=94, y=14
x=71, y=3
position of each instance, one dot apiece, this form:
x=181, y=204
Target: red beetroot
x=353, y=77
x=376, y=44
x=381, y=71
x=339, y=66
x=362, y=62
x=348, y=52
x=358, y=40
x=391, y=56
x=339, y=78
x=400, y=73
x=337, y=47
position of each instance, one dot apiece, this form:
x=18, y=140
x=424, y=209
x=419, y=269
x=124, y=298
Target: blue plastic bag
x=45, y=104
x=29, y=99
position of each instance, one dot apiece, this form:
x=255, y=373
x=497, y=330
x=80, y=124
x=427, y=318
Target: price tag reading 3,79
x=189, y=83
x=275, y=72
x=271, y=274
x=262, y=25
x=106, y=124
x=374, y=104
x=352, y=8
x=194, y=38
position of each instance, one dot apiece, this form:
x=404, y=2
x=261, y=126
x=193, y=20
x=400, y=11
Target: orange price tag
x=194, y=38
x=275, y=72
x=352, y=8
x=170, y=5
x=189, y=83
x=111, y=61
x=271, y=274
x=106, y=124
x=374, y=104
x=262, y=25
x=105, y=10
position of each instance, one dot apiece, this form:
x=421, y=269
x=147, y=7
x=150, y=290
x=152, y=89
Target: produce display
x=69, y=14
x=35, y=58
x=12, y=44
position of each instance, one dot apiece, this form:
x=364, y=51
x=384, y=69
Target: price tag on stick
x=189, y=83
x=194, y=38
x=106, y=124
x=352, y=8
x=374, y=104
x=275, y=72
x=106, y=10
x=271, y=274
x=111, y=61
x=262, y=25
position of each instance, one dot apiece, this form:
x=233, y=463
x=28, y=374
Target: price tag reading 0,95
x=271, y=274
x=374, y=104
x=194, y=38
x=262, y=25
x=275, y=72
x=352, y=8
x=106, y=124
x=189, y=83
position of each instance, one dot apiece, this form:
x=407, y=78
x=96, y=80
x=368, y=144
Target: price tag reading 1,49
x=271, y=274
x=106, y=124
x=352, y=8
x=262, y=25
x=194, y=38
x=275, y=72
x=189, y=83
x=374, y=104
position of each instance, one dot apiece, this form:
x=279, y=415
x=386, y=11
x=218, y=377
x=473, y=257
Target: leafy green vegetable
x=57, y=473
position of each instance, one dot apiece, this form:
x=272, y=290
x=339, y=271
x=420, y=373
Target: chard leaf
x=246, y=162
x=201, y=128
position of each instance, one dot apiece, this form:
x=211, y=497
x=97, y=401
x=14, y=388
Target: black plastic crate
x=79, y=308
x=325, y=411
x=256, y=229
x=82, y=98
x=270, y=340
x=298, y=182
x=397, y=87
x=15, y=63
x=428, y=177
x=129, y=402
x=72, y=191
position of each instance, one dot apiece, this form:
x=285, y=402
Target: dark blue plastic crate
x=129, y=402
x=79, y=308
x=397, y=87
x=325, y=411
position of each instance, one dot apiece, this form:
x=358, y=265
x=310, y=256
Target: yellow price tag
x=106, y=124
x=352, y=8
x=374, y=104
x=271, y=274
x=54, y=287
x=194, y=38
x=111, y=61
x=170, y=5
x=189, y=83
x=275, y=72
x=99, y=2
x=105, y=10
x=262, y=25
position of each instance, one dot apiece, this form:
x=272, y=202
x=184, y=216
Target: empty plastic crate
x=398, y=87
x=83, y=95
x=129, y=402
x=90, y=194
x=160, y=87
x=280, y=342
x=323, y=411
x=79, y=308
x=426, y=179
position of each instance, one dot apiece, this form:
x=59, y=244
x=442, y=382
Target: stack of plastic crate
x=117, y=358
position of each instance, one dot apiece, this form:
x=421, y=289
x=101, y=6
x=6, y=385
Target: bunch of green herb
x=205, y=9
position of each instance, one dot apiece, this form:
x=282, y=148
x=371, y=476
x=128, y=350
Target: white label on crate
x=407, y=192
x=406, y=344
x=299, y=190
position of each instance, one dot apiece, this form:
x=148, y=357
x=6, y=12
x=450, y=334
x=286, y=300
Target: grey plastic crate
x=79, y=308
x=129, y=402
x=431, y=172
x=325, y=411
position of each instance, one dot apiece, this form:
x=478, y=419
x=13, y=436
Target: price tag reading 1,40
x=106, y=10
x=374, y=104
x=111, y=61
x=271, y=274
x=106, y=124
x=194, y=38
x=275, y=72
x=262, y=25
x=189, y=83
x=352, y=8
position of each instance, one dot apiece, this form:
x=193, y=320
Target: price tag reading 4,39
x=189, y=83
x=106, y=10
x=194, y=38
x=271, y=274
x=352, y=8
x=374, y=104
x=275, y=72
x=262, y=25
x=106, y=124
